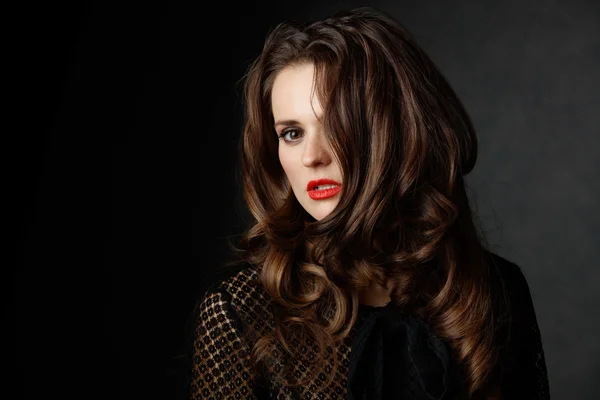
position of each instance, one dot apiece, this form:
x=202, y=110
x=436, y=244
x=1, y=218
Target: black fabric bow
x=397, y=356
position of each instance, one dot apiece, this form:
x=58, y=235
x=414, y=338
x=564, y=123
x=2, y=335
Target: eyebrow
x=286, y=122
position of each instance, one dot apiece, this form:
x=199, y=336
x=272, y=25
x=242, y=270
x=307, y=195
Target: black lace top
x=388, y=354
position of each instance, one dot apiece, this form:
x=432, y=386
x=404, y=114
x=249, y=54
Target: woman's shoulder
x=508, y=268
x=235, y=293
x=514, y=280
x=522, y=310
x=523, y=372
x=229, y=315
x=228, y=279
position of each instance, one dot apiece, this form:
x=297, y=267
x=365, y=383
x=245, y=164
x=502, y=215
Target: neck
x=375, y=295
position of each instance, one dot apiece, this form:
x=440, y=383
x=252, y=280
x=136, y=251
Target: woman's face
x=304, y=152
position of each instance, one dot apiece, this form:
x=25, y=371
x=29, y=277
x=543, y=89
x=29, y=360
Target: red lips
x=322, y=193
x=311, y=185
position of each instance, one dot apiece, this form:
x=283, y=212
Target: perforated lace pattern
x=234, y=311
x=229, y=314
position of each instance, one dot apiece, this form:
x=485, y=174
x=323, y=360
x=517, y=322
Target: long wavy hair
x=404, y=143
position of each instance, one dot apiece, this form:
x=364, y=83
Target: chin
x=321, y=211
x=318, y=209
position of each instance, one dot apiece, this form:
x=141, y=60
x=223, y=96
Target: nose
x=316, y=150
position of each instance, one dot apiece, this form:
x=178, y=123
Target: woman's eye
x=288, y=132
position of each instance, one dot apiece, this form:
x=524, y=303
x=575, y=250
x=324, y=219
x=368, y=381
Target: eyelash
x=286, y=131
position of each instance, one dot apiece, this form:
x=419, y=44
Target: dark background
x=124, y=114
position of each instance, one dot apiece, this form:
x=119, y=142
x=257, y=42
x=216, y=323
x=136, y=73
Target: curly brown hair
x=404, y=142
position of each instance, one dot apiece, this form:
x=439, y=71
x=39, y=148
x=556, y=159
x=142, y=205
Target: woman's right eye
x=285, y=133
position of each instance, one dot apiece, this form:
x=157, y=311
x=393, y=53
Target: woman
x=363, y=275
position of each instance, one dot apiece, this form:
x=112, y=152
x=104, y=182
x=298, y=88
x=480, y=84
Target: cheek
x=291, y=168
x=285, y=160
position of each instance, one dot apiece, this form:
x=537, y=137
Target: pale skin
x=304, y=151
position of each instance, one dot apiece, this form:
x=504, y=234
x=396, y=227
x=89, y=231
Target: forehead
x=291, y=96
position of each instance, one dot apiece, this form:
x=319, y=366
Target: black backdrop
x=124, y=114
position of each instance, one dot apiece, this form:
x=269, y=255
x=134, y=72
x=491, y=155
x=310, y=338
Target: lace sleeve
x=524, y=375
x=220, y=366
